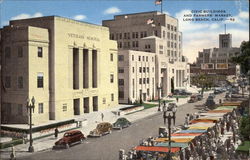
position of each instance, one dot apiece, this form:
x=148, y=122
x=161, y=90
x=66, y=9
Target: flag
x=158, y=2
x=150, y=21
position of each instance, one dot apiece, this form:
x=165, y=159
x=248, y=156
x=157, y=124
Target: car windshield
x=67, y=134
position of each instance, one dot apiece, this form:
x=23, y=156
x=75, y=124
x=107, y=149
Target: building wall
x=64, y=93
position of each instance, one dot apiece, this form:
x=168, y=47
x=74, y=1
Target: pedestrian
x=177, y=99
x=102, y=115
x=56, y=133
x=174, y=110
x=13, y=153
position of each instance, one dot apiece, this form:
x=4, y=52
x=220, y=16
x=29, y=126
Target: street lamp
x=169, y=118
x=31, y=106
x=159, y=87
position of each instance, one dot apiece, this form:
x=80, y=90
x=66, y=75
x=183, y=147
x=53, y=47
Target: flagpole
x=161, y=5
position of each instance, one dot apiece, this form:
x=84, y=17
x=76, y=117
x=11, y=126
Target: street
x=107, y=147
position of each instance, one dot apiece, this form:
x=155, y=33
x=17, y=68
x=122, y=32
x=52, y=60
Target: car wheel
x=67, y=145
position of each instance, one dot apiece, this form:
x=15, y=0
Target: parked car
x=101, y=129
x=69, y=138
x=193, y=99
x=199, y=97
x=171, y=105
x=121, y=123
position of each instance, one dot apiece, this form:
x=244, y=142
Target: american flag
x=158, y=2
x=150, y=21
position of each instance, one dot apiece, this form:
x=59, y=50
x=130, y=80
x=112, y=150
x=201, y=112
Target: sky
x=197, y=35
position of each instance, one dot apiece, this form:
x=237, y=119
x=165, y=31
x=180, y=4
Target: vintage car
x=121, y=123
x=101, y=129
x=69, y=138
x=193, y=99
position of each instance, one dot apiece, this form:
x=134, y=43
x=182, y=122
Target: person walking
x=174, y=110
x=56, y=133
x=102, y=115
x=177, y=99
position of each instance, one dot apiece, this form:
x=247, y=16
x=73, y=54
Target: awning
x=212, y=114
x=231, y=103
x=197, y=127
x=226, y=108
x=201, y=124
x=203, y=120
x=173, y=144
x=219, y=111
x=186, y=134
x=179, y=139
x=156, y=149
x=192, y=131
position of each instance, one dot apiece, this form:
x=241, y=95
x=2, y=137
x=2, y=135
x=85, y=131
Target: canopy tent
x=156, y=149
x=197, y=127
x=203, y=120
x=180, y=139
x=219, y=111
x=201, y=124
x=192, y=131
x=212, y=114
x=173, y=144
x=231, y=103
x=226, y=107
x=186, y=134
x=211, y=118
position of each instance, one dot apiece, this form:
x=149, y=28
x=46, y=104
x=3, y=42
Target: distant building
x=154, y=36
x=217, y=60
x=70, y=67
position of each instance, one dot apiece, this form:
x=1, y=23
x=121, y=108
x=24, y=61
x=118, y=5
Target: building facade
x=217, y=60
x=70, y=68
x=151, y=33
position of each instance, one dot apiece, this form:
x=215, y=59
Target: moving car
x=101, y=129
x=69, y=138
x=121, y=123
x=193, y=99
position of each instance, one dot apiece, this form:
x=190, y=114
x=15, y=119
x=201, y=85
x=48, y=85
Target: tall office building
x=151, y=34
x=70, y=68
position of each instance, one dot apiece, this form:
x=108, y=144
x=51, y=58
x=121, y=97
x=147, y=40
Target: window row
x=140, y=58
x=127, y=35
x=8, y=52
x=144, y=80
x=172, y=45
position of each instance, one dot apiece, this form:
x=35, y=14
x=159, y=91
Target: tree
x=245, y=127
x=243, y=58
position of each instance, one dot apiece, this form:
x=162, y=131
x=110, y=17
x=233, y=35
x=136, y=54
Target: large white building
x=151, y=35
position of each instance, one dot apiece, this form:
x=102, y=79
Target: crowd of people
x=215, y=143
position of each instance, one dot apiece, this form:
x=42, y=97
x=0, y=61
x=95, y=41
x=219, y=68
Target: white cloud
x=79, y=17
x=112, y=10
x=243, y=15
x=25, y=16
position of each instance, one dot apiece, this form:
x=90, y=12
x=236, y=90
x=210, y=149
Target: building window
x=140, y=69
x=121, y=94
x=140, y=81
x=133, y=69
x=20, y=51
x=132, y=57
x=152, y=59
x=145, y=33
x=120, y=58
x=139, y=58
x=172, y=70
x=39, y=51
x=136, y=44
x=152, y=69
x=111, y=57
x=104, y=101
x=147, y=69
x=64, y=107
x=120, y=70
x=7, y=52
x=144, y=80
x=156, y=34
x=163, y=34
x=111, y=78
x=112, y=97
x=121, y=82
x=7, y=82
x=120, y=35
x=141, y=34
x=136, y=34
x=20, y=109
x=168, y=26
x=144, y=69
x=40, y=108
x=40, y=80
x=20, y=82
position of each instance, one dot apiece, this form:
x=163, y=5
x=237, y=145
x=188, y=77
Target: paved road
x=107, y=147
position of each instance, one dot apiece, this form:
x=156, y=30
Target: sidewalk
x=92, y=120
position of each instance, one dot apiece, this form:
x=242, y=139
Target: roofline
x=44, y=17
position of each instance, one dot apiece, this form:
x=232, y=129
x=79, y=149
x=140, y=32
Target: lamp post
x=159, y=99
x=169, y=118
x=31, y=106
